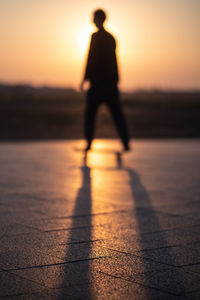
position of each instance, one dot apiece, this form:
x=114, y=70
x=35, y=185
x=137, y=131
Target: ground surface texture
x=101, y=226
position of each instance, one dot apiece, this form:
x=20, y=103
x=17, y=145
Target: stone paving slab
x=12, y=284
x=96, y=227
x=175, y=256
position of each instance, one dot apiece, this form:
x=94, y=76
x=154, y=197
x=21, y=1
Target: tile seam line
x=146, y=258
x=56, y=264
x=85, y=215
x=138, y=283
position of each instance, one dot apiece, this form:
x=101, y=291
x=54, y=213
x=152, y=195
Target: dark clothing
x=109, y=96
x=101, y=66
x=102, y=72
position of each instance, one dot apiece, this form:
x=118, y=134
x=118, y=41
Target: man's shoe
x=88, y=147
x=127, y=148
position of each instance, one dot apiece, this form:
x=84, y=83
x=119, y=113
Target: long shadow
x=140, y=195
x=152, y=277
x=76, y=271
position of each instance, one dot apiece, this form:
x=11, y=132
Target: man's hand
x=82, y=85
x=85, y=85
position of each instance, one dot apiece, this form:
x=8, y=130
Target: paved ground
x=101, y=228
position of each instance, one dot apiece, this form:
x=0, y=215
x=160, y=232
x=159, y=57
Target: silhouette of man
x=102, y=73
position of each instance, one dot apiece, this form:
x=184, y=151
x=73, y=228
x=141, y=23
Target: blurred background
x=44, y=46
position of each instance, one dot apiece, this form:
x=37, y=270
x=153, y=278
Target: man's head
x=99, y=17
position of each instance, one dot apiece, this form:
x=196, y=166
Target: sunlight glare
x=84, y=37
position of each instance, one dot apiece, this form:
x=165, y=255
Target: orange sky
x=45, y=42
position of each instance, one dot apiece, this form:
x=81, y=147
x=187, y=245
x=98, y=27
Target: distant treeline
x=57, y=113
x=28, y=93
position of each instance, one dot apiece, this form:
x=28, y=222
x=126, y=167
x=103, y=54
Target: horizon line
x=128, y=90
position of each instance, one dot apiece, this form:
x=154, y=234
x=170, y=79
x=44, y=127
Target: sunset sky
x=44, y=42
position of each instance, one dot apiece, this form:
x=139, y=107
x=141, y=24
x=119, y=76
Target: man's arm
x=90, y=59
x=89, y=64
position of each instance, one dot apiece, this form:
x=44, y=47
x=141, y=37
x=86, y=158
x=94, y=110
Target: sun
x=84, y=37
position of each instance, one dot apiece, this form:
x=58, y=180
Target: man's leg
x=114, y=105
x=90, y=114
